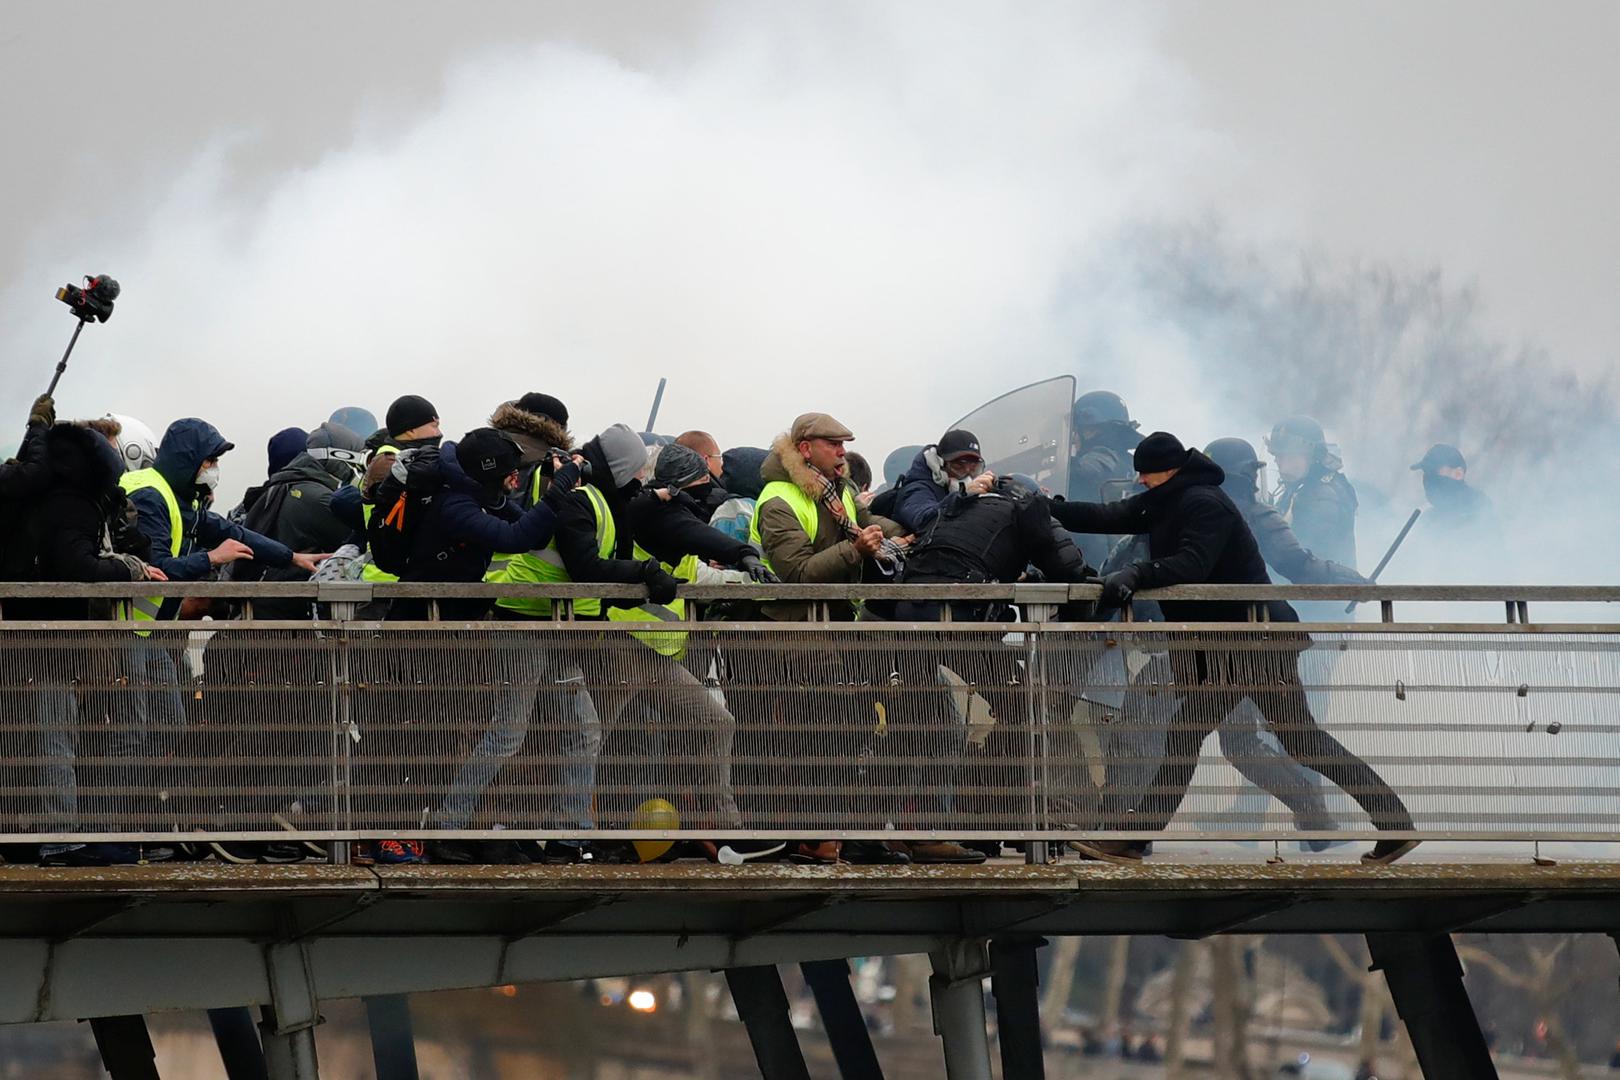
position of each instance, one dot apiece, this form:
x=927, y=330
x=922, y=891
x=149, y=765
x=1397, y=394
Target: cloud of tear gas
x=893, y=212
x=848, y=208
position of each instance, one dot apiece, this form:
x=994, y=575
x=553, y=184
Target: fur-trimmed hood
x=535, y=434
x=785, y=463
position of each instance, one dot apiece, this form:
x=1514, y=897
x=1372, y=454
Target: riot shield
x=1027, y=431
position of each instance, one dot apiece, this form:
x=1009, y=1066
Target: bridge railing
x=348, y=725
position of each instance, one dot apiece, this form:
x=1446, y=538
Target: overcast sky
x=859, y=208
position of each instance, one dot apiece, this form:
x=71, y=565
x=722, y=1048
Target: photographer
x=77, y=531
x=21, y=478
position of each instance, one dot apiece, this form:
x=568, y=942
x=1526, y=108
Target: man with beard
x=1197, y=536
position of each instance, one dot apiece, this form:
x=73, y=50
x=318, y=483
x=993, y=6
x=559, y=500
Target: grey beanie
x=626, y=454
x=678, y=466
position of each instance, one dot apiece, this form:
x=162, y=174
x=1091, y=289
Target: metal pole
x=957, y=994
x=288, y=1055
x=125, y=1046
x=1015, y=982
x=238, y=1042
x=1425, y=979
x=841, y=1017
x=762, y=1006
x=61, y=365
x=393, y=1043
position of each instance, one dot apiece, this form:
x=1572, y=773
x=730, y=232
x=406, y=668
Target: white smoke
x=863, y=209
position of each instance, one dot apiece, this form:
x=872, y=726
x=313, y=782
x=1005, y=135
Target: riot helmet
x=1019, y=486
x=1237, y=459
x=1098, y=407
x=1297, y=435
x=137, y=445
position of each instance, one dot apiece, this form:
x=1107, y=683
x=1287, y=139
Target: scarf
x=890, y=554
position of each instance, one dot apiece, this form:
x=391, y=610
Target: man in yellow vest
x=188, y=542
x=812, y=530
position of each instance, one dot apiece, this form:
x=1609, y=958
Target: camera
x=94, y=302
x=557, y=457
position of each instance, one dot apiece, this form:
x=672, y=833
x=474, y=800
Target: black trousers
x=1210, y=684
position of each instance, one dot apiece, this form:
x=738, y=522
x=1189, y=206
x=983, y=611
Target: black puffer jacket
x=1196, y=536
x=670, y=531
x=79, y=530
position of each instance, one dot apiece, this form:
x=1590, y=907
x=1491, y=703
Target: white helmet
x=136, y=443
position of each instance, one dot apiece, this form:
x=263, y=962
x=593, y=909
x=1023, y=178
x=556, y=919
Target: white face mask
x=208, y=477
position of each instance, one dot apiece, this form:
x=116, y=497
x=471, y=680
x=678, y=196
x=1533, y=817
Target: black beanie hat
x=409, y=412
x=487, y=456
x=1159, y=452
x=544, y=405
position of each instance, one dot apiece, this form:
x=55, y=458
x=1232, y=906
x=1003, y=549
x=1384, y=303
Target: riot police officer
x=1315, y=499
x=1279, y=546
x=1104, y=435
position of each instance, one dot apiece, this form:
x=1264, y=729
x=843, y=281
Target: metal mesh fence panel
x=805, y=730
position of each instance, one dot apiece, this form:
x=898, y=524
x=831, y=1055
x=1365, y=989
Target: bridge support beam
x=762, y=1005
x=238, y=1042
x=841, y=1016
x=957, y=992
x=1425, y=979
x=126, y=1047
x=393, y=1042
x=1015, y=982
x=288, y=1022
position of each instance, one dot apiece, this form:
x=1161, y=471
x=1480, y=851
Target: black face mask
x=1441, y=489
x=631, y=489
x=701, y=492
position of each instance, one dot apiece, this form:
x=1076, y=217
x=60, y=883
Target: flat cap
x=818, y=425
x=1441, y=456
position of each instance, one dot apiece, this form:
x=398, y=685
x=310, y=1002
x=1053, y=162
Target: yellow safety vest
x=664, y=642
x=146, y=608
x=545, y=565
x=804, y=508
x=371, y=571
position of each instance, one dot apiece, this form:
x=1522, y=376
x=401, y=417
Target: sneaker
x=1387, y=851
x=94, y=855
x=818, y=853
x=1128, y=852
x=737, y=852
x=398, y=852
x=278, y=853
x=938, y=852
x=476, y=853
x=874, y=853
x=565, y=853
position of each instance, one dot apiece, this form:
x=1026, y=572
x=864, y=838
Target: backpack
x=399, y=501
x=887, y=499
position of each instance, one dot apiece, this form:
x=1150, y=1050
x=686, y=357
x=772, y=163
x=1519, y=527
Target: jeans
x=533, y=674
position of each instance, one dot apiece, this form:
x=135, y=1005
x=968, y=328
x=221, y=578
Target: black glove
x=43, y=414
x=561, y=483
x=757, y=569
x=661, y=584
x=1116, y=587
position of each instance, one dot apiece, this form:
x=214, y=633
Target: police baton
x=1379, y=569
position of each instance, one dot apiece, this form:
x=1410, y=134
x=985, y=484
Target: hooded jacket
x=1196, y=536
x=186, y=445
x=796, y=558
x=921, y=490
x=294, y=507
x=21, y=478
x=78, y=530
x=466, y=525
x=576, y=528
